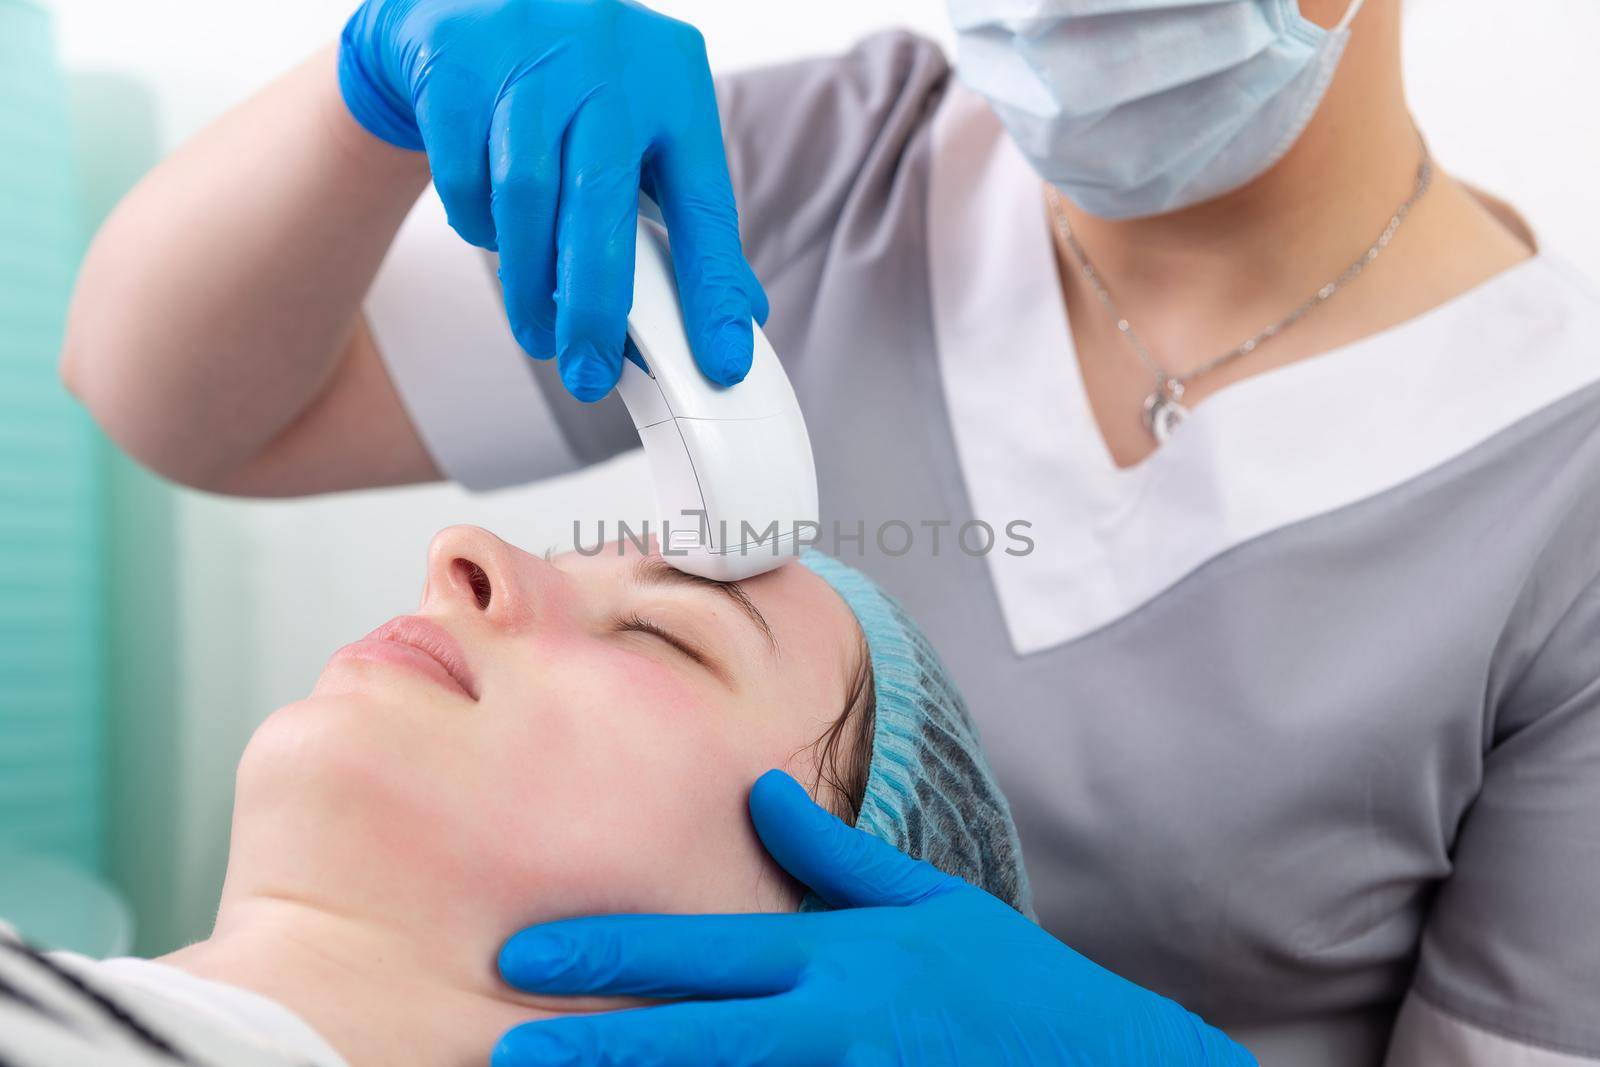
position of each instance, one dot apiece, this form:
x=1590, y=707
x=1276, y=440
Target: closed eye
x=636, y=624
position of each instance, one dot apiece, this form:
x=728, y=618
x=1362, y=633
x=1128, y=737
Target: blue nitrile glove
x=918, y=968
x=542, y=120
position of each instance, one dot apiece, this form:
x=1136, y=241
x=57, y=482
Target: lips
x=412, y=640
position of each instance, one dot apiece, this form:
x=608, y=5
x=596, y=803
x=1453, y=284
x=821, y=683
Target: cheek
x=626, y=786
x=361, y=796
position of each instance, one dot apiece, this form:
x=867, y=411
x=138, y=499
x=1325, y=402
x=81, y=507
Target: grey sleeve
x=1512, y=946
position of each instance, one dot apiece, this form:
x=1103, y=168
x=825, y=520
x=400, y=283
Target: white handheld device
x=735, y=484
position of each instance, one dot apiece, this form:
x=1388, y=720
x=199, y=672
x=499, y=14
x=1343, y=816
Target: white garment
x=252, y=1017
x=212, y=1021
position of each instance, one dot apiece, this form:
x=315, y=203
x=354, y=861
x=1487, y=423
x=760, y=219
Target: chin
x=347, y=760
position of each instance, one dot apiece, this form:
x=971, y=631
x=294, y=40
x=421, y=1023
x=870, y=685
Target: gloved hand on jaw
x=542, y=120
x=917, y=967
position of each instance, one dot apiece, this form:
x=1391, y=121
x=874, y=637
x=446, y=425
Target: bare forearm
x=217, y=303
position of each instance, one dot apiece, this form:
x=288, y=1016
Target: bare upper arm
x=356, y=434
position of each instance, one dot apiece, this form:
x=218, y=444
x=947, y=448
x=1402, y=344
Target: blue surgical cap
x=930, y=792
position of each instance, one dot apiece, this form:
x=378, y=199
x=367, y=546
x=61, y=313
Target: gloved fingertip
x=538, y=344
x=532, y=326
x=587, y=374
x=476, y=235
x=532, y=1045
x=732, y=348
x=533, y=956
x=776, y=796
x=774, y=783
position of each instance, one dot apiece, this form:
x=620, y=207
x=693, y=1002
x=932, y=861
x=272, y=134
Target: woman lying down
x=541, y=740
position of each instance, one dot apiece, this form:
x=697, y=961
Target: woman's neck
x=1280, y=235
x=1197, y=282
x=378, y=992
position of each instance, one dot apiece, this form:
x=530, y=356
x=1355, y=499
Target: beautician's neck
x=1344, y=177
x=379, y=994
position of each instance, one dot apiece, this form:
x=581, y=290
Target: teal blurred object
x=51, y=580
x=58, y=906
x=116, y=128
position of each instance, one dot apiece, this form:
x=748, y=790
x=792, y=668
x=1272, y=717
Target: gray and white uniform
x=1300, y=717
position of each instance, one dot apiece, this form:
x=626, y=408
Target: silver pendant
x=1162, y=415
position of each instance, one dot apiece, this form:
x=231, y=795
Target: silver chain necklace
x=1163, y=408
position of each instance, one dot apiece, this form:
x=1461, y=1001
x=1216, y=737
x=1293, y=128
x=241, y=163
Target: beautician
x=1295, y=688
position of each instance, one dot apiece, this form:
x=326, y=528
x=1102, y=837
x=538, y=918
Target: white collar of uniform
x=1253, y=458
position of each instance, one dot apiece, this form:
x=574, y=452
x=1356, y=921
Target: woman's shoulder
x=1525, y=350
x=1524, y=343
x=52, y=1012
x=1546, y=315
x=1541, y=326
x=58, y=1008
x=1574, y=291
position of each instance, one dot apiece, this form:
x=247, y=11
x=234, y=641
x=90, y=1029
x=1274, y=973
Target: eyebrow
x=653, y=570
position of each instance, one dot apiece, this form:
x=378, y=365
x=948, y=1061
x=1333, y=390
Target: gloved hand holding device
x=917, y=967
x=542, y=120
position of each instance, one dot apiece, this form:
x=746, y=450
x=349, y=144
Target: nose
x=471, y=569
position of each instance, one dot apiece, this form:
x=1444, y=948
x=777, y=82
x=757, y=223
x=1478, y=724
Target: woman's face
x=548, y=738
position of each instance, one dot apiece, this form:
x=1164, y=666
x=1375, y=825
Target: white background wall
x=266, y=590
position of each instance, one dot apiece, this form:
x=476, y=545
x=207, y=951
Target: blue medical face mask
x=1138, y=107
